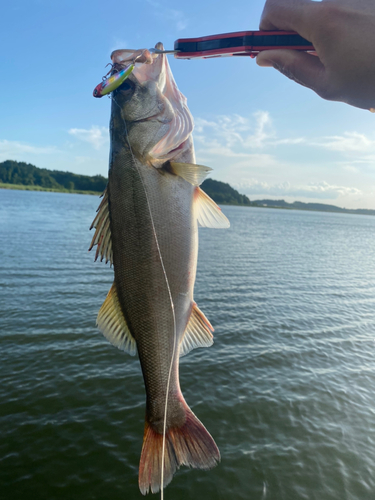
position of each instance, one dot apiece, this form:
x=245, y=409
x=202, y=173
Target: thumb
x=303, y=68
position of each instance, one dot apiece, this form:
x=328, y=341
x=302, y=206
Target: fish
x=147, y=227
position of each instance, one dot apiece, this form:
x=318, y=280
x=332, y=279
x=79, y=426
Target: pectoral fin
x=197, y=333
x=195, y=174
x=102, y=236
x=112, y=324
x=208, y=213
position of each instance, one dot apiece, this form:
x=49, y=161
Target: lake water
x=287, y=390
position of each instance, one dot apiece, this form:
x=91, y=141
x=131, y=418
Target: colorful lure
x=110, y=84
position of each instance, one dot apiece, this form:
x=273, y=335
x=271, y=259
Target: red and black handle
x=243, y=43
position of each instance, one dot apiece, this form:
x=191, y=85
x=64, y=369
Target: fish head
x=151, y=111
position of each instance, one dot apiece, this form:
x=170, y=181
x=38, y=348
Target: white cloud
x=262, y=133
x=321, y=190
x=234, y=139
x=262, y=162
x=13, y=150
x=257, y=132
x=96, y=136
x=234, y=130
x=234, y=135
x=351, y=169
x=349, y=142
x=364, y=159
x=297, y=140
x=216, y=147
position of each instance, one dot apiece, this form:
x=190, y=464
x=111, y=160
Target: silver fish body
x=147, y=225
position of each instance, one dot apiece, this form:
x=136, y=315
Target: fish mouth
x=148, y=66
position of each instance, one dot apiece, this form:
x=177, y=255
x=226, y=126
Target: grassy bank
x=21, y=187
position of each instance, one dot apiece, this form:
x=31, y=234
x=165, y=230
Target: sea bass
x=147, y=226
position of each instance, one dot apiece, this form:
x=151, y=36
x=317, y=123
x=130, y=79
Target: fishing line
x=170, y=298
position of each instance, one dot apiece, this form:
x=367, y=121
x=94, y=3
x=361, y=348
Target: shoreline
x=22, y=187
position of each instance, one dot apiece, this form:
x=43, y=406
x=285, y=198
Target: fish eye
x=126, y=86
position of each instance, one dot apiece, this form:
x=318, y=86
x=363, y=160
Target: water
x=287, y=390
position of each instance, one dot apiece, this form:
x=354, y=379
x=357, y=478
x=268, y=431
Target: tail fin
x=191, y=445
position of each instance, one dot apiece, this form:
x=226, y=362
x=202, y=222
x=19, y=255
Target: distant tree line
x=222, y=192
x=14, y=172
x=315, y=207
x=21, y=173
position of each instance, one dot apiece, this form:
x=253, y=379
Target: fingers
x=343, y=35
x=288, y=15
x=303, y=68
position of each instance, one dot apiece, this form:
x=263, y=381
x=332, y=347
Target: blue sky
x=262, y=133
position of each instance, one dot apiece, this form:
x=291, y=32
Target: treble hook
x=110, y=71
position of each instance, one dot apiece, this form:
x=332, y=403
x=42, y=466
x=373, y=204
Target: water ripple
x=287, y=389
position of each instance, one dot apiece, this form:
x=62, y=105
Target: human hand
x=343, y=35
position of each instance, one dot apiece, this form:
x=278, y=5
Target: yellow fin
x=102, y=236
x=195, y=174
x=208, y=213
x=112, y=324
x=197, y=333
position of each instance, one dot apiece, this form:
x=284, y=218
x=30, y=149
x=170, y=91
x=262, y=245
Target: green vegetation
x=223, y=193
x=14, y=173
x=316, y=207
x=20, y=175
x=21, y=187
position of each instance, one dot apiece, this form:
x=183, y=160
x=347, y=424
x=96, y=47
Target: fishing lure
x=110, y=84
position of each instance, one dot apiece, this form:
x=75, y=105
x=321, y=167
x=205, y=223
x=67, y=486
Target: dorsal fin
x=197, y=333
x=112, y=324
x=195, y=174
x=102, y=236
x=208, y=213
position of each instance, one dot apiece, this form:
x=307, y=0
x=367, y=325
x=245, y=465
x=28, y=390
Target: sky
x=264, y=134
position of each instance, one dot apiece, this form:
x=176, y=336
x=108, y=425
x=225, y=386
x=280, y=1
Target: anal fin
x=112, y=324
x=197, y=333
